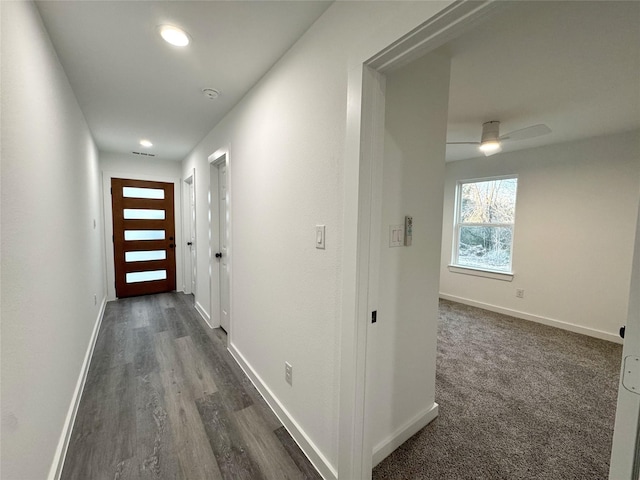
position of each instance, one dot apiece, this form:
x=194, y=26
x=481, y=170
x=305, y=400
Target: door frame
x=362, y=215
x=186, y=229
x=215, y=160
x=107, y=221
x=625, y=449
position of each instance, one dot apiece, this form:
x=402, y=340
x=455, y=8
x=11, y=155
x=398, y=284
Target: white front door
x=625, y=453
x=224, y=245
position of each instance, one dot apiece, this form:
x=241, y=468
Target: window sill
x=478, y=272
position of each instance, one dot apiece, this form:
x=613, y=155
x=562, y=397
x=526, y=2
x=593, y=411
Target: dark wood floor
x=164, y=399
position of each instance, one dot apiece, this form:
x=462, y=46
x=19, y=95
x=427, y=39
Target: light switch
x=396, y=235
x=320, y=236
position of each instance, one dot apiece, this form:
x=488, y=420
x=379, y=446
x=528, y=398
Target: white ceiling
x=574, y=66
x=132, y=85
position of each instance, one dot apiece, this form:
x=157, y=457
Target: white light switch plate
x=396, y=235
x=320, y=231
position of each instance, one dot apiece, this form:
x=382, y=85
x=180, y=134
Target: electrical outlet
x=520, y=292
x=288, y=373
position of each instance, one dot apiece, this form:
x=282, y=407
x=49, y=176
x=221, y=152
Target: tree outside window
x=484, y=223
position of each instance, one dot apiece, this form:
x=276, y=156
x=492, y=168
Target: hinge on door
x=631, y=374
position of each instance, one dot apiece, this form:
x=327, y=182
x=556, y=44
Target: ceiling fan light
x=174, y=35
x=491, y=147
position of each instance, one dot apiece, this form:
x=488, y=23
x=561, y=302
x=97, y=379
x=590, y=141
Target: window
x=485, y=213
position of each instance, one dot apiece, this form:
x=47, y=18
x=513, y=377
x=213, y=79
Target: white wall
x=52, y=251
x=574, y=233
x=135, y=166
x=286, y=142
x=402, y=349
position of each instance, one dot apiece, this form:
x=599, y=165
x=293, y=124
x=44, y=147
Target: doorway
x=143, y=237
x=219, y=235
x=366, y=306
x=191, y=264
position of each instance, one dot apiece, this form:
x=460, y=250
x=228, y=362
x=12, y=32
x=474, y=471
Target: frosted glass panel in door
x=138, y=192
x=144, y=234
x=143, y=214
x=145, y=255
x=135, y=277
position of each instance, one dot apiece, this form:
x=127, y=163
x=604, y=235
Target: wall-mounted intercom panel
x=408, y=230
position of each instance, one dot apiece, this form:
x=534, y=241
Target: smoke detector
x=211, y=93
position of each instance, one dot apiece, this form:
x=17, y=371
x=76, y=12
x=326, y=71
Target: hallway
x=165, y=399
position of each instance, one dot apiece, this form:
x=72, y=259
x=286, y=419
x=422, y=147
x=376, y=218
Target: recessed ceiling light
x=174, y=35
x=146, y=143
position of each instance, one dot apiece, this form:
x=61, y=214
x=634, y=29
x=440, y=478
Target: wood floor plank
x=226, y=442
x=138, y=312
x=265, y=448
x=145, y=360
x=234, y=395
x=104, y=434
x=123, y=351
x=175, y=324
x=122, y=407
x=155, y=449
x=155, y=314
x=219, y=340
x=126, y=470
x=166, y=300
x=299, y=458
x=191, y=442
x=197, y=371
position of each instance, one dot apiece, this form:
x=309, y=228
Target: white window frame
x=475, y=270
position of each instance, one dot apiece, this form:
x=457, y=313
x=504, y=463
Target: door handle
x=189, y=243
x=218, y=255
x=171, y=245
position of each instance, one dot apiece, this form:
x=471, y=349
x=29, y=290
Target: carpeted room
x=518, y=400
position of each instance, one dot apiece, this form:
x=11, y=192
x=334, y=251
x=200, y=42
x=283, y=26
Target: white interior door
x=223, y=198
x=625, y=454
x=192, y=234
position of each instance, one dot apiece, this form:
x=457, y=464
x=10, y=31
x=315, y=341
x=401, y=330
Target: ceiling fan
x=491, y=140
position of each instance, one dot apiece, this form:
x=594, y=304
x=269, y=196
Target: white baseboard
x=312, y=452
x=404, y=433
x=63, y=444
x=592, y=332
x=203, y=313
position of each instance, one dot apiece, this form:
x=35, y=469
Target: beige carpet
x=518, y=400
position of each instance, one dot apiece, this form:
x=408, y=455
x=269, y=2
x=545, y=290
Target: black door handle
x=171, y=245
x=189, y=243
x=218, y=255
